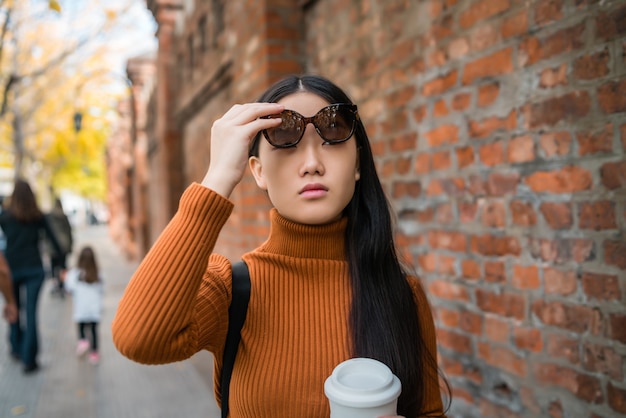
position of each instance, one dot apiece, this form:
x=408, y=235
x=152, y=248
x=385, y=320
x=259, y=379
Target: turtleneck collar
x=305, y=241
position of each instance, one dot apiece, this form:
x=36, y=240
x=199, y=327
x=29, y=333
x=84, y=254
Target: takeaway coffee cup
x=362, y=388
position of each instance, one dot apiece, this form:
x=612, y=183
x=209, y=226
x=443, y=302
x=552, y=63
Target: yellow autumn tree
x=55, y=63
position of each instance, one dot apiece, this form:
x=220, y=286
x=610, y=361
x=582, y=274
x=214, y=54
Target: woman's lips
x=313, y=191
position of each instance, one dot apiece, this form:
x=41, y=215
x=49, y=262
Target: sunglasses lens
x=288, y=132
x=335, y=123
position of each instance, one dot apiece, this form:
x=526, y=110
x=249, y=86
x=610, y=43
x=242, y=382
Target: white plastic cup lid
x=362, y=383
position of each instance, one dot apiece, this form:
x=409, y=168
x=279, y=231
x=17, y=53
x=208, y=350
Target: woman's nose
x=310, y=148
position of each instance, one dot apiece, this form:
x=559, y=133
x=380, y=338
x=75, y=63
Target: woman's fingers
x=230, y=137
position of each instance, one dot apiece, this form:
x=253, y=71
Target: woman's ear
x=257, y=171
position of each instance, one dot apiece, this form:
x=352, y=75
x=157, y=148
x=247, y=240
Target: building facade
x=499, y=130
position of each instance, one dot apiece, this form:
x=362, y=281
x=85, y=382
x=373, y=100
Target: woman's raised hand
x=230, y=138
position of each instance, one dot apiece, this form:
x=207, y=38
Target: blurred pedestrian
x=24, y=224
x=9, y=312
x=84, y=283
x=62, y=228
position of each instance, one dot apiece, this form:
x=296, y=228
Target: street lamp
x=78, y=121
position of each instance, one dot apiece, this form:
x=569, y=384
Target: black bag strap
x=236, y=317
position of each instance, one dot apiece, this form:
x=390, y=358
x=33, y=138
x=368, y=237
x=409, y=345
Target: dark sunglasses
x=334, y=123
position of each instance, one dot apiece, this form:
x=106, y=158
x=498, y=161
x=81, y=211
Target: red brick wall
x=499, y=129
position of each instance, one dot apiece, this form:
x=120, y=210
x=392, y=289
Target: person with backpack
x=327, y=284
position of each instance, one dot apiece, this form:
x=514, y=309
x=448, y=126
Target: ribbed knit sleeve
x=157, y=318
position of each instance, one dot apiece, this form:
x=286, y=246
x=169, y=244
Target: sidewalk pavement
x=66, y=386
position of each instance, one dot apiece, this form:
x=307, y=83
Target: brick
x=597, y=215
x=522, y=213
x=560, y=251
x=555, y=144
x=600, y=359
x=567, y=108
x=401, y=143
x=480, y=10
x=491, y=409
x=470, y=269
x=422, y=163
x=406, y=188
x=617, y=398
x=528, y=339
x=617, y=329
x=458, y=48
x=521, y=149
x=515, y=25
x=559, y=282
x=562, y=347
x=441, y=160
x=525, y=277
x=612, y=96
x=498, y=63
x=565, y=180
x=497, y=329
x=444, y=214
x=483, y=37
x=448, y=318
x=615, y=253
x=552, y=77
x=447, y=265
x=441, y=84
x=487, y=94
x=499, y=184
x=611, y=24
x=440, y=109
x=547, y=11
x=492, y=154
x=504, y=359
x=454, y=341
x=461, y=101
x=583, y=386
x=453, y=241
x=403, y=165
x=444, y=134
x=592, y=66
x=494, y=214
x=574, y=318
x=495, y=272
x=533, y=49
x=471, y=322
x=464, y=156
x=504, y=304
x=467, y=211
x=427, y=262
x=419, y=113
x=602, y=287
x=557, y=215
x=448, y=290
x=491, y=245
x=596, y=142
x=486, y=127
x=613, y=175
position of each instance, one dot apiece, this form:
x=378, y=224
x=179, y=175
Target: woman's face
x=310, y=183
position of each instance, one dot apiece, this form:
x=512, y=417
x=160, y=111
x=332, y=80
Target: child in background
x=84, y=283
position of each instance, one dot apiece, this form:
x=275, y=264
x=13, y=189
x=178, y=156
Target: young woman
x=24, y=225
x=325, y=286
x=84, y=283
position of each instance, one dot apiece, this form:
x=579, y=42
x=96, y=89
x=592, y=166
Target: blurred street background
x=67, y=386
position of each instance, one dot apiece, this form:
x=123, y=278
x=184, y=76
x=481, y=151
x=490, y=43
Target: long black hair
x=383, y=317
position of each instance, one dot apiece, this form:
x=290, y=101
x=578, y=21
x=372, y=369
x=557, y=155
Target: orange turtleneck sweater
x=295, y=333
